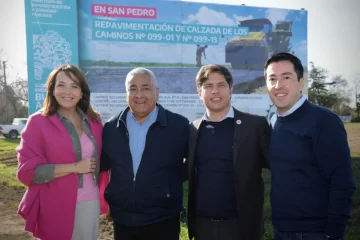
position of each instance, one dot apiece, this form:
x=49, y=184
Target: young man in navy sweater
x=228, y=150
x=309, y=157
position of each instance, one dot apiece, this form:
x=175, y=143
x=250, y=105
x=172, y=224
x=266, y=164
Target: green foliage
x=357, y=106
x=333, y=94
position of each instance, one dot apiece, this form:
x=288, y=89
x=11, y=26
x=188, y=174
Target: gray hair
x=141, y=71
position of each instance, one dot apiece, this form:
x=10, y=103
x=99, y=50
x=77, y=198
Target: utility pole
x=6, y=92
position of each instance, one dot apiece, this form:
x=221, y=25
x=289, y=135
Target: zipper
x=134, y=179
x=135, y=174
x=133, y=200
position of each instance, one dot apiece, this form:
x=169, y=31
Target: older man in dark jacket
x=144, y=147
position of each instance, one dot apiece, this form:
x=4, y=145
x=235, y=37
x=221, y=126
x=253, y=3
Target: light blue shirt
x=288, y=112
x=230, y=114
x=137, y=135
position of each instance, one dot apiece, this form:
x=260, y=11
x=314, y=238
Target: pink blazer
x=49, y=209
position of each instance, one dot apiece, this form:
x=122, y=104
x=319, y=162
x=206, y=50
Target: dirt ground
x=353, y=132
x=12, y=225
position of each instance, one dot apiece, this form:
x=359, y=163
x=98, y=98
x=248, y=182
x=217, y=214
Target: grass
x=7, y=148
x=8, y=153
x=88, y=63
x=8, y=175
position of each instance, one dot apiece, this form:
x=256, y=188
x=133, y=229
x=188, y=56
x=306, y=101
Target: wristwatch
x=331, y=238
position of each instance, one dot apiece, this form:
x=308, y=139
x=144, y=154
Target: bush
x=355, y=119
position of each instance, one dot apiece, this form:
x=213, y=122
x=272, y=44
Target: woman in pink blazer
x=59, y=158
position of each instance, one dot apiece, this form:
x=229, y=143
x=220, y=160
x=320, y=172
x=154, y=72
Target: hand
x=85, y=166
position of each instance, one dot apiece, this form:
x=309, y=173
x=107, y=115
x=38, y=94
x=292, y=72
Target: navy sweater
x=312, y=180
x=215, y=190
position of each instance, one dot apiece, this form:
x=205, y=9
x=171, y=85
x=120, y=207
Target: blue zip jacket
x=156, y=192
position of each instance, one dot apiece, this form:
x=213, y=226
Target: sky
x=333, y=32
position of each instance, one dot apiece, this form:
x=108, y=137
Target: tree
x=333, y=94
x=13, y=97
x=319, y=88
x=357, y=94
x=342, y=93
x=358, y=107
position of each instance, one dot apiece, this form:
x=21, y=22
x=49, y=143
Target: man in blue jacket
x=309, y=157
x=144, y=147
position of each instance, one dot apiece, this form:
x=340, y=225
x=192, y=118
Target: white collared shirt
x=298, y=104
x=230, y=114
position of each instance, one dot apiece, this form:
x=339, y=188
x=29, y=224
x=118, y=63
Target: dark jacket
x=250, y=150
x=156, y=192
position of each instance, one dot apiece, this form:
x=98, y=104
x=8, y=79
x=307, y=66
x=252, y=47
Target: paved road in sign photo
x=170, y=79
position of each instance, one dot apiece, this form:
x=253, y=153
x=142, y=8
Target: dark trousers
x=211, y=229
x=299, y=235
x=168, y=229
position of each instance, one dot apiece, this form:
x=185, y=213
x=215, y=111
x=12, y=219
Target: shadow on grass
x=8, y=140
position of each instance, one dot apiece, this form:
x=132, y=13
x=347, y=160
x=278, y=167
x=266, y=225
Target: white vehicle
x=13, y=131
